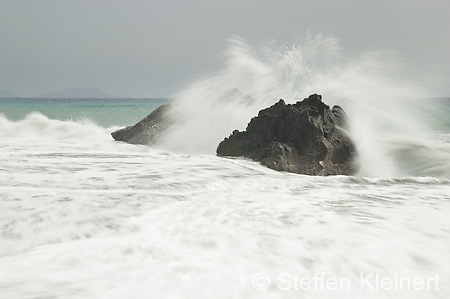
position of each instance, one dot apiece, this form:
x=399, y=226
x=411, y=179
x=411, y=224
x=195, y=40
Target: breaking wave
x=36, y=126
x=374, y=89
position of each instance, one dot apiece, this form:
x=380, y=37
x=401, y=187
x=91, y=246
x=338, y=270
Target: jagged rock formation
x=307, y=138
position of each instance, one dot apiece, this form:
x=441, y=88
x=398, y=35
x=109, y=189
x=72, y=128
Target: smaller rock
x=147, y=130
x=340, y=117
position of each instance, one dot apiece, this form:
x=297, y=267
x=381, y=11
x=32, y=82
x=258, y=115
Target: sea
x=84, y=216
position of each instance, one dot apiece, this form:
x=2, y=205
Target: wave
x=36, y=126
x=393, y=121
x=373, y=87
x=421, y=157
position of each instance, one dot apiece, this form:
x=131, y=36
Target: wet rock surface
x=147, y=130
x=307, y=138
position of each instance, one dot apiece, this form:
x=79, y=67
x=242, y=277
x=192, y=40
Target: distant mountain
x=7, y=94
x=76, y=92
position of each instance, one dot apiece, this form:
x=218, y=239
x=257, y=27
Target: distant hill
x=76, y=92
x=7, y=94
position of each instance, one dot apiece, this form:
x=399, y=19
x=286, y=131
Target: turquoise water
x=104, y=112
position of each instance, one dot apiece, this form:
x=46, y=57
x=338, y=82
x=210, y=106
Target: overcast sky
x=152, y=48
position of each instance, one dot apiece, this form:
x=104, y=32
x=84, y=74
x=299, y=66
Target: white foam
x=36, y=126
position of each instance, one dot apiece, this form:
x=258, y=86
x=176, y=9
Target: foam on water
x=83, y=216
x=114, y=220
x=37, y=127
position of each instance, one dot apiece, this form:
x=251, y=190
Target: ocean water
x=83, y=216
x=103, y=112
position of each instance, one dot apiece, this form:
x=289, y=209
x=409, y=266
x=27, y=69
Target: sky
x=152, y=48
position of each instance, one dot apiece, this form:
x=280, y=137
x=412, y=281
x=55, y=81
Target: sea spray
x=372, y=87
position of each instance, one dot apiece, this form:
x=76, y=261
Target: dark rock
x=306, y=137
x=147, y=130
x=340, y=117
